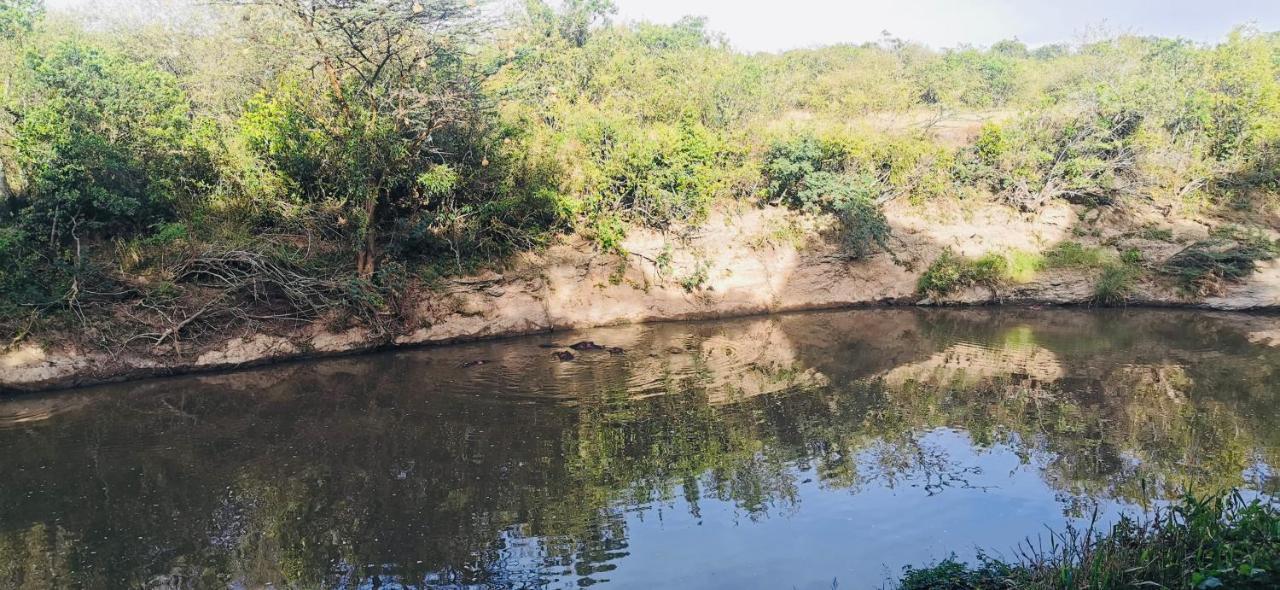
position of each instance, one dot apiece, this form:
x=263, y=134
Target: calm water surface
x=779, y=452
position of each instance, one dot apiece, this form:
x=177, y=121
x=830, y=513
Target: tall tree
x=365, y=128
x=17, y=18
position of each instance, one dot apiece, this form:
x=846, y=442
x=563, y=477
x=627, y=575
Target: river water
x=779, y=452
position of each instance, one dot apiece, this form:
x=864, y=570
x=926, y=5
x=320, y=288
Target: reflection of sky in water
x=988, y=498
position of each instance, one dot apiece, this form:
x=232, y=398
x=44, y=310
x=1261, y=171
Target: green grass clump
x=1115, y=284
x=1023, y=265
x=1075, y=255
x=1220, y=541
x=1155, y=233
x=951, y=272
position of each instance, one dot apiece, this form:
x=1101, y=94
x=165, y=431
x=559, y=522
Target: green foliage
x=951, y=272
x=1115, y=284
x=18, y=17
x=952, y=574
x=865, y=230
x=655, y=177
x=973, y=78
x=108, y=146
x=992, y=144
x=1071, y=254
x=788, y=163
x=802, y=173
x=20, y=281
x=1217, y=541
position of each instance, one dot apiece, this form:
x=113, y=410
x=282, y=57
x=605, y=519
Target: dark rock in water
x=550, y=345
x=469, y=364
x=616, y=350
x=587, y=345
x=564, y=355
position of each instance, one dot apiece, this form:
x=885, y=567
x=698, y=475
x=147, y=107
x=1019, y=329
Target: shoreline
x=87, y=377
x=740, y=271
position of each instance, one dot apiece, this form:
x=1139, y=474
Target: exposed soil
x=740, y=262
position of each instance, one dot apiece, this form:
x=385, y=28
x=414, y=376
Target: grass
x=1116, y=275
x=1220, y=541
x=1024, y=266
x=1115, y=284
x=1075, y=255
x=951, y=272
x=1230, y=254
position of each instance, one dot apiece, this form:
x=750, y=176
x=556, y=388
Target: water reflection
x=767, y=452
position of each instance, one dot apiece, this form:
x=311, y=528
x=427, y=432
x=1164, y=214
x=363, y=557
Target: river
x=792, y=451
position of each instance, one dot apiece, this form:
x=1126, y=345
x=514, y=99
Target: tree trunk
x=367, y=257
x=6, y=193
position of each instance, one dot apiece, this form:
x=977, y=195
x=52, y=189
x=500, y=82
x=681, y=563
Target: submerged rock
x=563, y=355
x=586, y=345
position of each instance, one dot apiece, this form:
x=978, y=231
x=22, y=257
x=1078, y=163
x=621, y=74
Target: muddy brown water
x=777, y=452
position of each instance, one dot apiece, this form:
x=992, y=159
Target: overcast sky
x=770, y=25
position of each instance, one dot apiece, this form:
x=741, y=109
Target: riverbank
x=744, y=260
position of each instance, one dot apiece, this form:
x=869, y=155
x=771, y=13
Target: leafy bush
x=108, y=145
x=23, y=281
x=952, y=574
x=787, y=165
x=864, y=228
x=800, y=174
x=951, y=272
x=655, y=176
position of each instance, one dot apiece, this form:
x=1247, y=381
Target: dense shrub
x=658, y=176
x=864, y=229
x=788, y=163
x=804, y=173
x=108, y=146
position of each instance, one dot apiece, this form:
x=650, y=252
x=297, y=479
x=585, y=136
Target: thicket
x=374, y=145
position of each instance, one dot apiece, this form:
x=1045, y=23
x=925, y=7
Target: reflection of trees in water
x=336, y=471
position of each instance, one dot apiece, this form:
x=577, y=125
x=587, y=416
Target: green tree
x=17, y=18
x=573, y=21
x=105, y=143
x=381, y=125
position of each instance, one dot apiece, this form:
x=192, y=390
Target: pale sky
x=770, y=25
